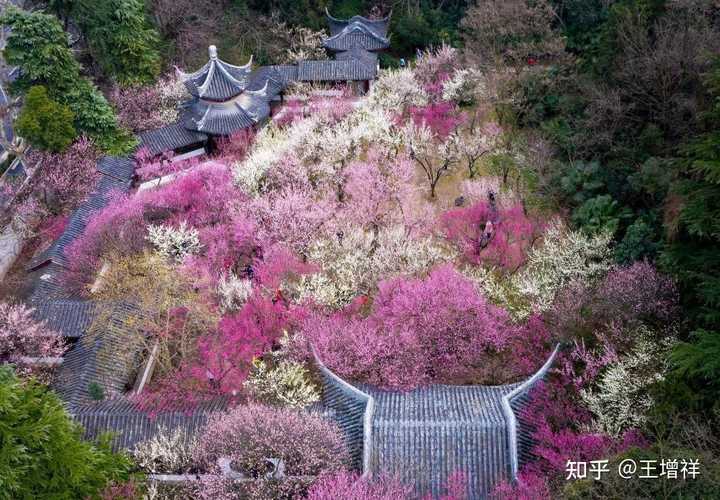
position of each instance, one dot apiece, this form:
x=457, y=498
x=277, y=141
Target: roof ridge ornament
x=212, y=52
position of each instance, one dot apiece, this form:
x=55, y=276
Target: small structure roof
x=357, y=32
x=169, y=138
x=336, y=70
x=217, y=80
x=106, y=357
x=425, y=435
x=131, y=425
x=70, y=318
x=378, y=26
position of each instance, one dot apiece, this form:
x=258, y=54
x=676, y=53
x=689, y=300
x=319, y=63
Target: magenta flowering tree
x=441, y=118
x=66, y=178
x=252, y=437
x=201, y=199
x=625, y=299
x=234, y=147
x=292, y=216
x=26, y=342
x=529, y=486
x=490, y=234
x=418, y=331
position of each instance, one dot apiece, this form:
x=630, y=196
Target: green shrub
x=39, y=47
x=42, y=454
x=45, y=123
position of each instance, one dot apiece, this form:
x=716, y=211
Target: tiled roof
x=217, y=80
x=360, y=54
x=71, y=318
x=425, y=435
x=356, y=36
x=378, y=26
x=119, y=168
x=131, y=425
x=351, y=409
x=170, y=137
x=106, y=356
x=333, y=70
x=216, y=118
x=46, y=284
x=79, y=219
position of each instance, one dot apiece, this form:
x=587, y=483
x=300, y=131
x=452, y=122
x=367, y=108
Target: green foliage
x=96, y=391
x=42, y=454
x=600, y=214
x=45, y=123
x=120, y=38
x=641, y=241
x=701, y=358
x=39, y=46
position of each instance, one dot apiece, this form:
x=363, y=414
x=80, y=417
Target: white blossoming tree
x=352, y=265
x=564, y=256
x=174, y=242
x=622, y=399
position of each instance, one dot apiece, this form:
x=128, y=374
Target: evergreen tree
x=45, y=123
x=119, y=36
x=39, y=47
x=42, y=454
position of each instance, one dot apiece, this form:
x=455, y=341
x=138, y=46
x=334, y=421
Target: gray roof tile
x=69, y=317
x=217, y=80
x=169, y=138
x=131, y=425
x=336, y=70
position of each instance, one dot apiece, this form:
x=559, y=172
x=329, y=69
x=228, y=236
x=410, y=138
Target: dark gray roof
x=71, y=318
x=357, y=36
x=379, y=27
x=130, y=425
x=119, y=168
x=360, y=54
x=169, y=138
x=79, y=219
x=217, y=80
x=333, y=70
x=46, y=284
x=425, y=435
x=216, y=118
x=106, y=356
x=286, y=73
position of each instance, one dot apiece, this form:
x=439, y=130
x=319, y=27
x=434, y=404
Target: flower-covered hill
x=399, y=236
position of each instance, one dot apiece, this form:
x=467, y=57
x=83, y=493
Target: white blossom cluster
x=352, y=265
x=168, y=452
x=233, y=292
x=564, y=256
x=395, y=90
x=466, y=86
x=286, y=384
x=622, y=398
x=174, y=242
x=172, y=94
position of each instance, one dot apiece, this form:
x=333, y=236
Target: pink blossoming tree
x=26, y=342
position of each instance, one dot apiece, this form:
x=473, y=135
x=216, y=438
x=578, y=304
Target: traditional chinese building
x=226, y=98
x=425, y=435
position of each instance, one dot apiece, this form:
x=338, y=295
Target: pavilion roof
x=357, y=32
x=217, y=80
